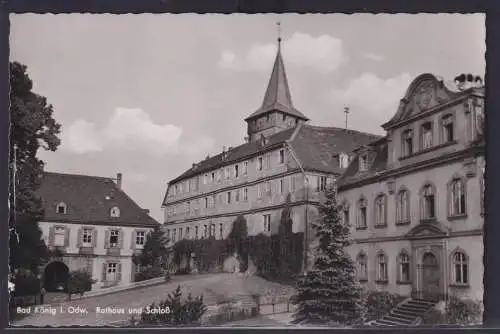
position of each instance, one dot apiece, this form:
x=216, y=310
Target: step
x=419, y=304
x=407, y=313
x=385, y=322
x=397, y=313
x=422, y=301
x=411, y=308
x=396, y=319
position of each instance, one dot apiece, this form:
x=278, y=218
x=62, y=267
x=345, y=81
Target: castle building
x=283, y=155
x=90, y=224
x=414, y=198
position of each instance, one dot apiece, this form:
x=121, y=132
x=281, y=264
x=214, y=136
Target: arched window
x=61, y=208
x=380, y=210
x=362, y=267
x=114, y=212
x=361, y=216
x=457, y=203
x=382, y=271
x=404, y=267
x=403, y=207
x=428, y=202
x=461, y=268
x=344, y=209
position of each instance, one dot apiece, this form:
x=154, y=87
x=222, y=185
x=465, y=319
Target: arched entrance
x=56, y=277
x=430, y=277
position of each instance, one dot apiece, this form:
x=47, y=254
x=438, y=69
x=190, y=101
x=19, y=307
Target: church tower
x=277, y=112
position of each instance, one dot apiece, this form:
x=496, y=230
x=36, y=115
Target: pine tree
x=31, y=127
x=329, y=293
x=155, y=251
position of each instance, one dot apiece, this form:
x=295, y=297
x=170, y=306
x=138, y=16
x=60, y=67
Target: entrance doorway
x=56, y=277
x=431, y=277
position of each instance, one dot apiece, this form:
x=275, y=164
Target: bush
x=26, y=285
x=378, y=304
x=187, y=312
x=463, y=312
x=149, y=273
x=79, y=282
x=433, y=317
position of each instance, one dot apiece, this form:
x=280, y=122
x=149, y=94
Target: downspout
x=306, y=193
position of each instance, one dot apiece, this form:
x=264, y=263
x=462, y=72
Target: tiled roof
x=278, y=95
x=86, y=200
x=379, y=164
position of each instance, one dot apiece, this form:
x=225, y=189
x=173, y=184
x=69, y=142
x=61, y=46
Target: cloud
x=371, y=94
x=81, y=137
x=323, y=53
x=133, y=130
x=373, y=56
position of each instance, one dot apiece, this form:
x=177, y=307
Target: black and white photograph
x=270, y=170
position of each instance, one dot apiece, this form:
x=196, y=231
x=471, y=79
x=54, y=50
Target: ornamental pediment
x=427, y=229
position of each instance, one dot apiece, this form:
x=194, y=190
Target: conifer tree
x=329, y=293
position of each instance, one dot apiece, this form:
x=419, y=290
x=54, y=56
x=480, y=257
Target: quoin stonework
x=414, y=197
x=90, y=223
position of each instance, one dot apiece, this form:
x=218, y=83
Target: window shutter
x=106, y=240
x=79, y=239
x=132, y=242
x=51, y=236
x=66, y=236
x=119, y=272
x=103, y=275
x=120, y=238
x=94, y=237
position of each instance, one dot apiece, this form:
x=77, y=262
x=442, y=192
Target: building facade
x=283, y=155
x=91, y=224
x=414, y=199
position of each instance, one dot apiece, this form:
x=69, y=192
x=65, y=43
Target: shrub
x=148, y=273
x=463, y=312
x=378, y=304
x=79, y=282
x=433, y=317
x=187, y=312
x=26, y=285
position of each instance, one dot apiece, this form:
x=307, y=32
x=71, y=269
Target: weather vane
x=278, y=25
x=346, y=112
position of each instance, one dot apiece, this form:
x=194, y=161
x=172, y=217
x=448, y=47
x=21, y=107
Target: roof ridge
x=343, y=129
x=79, y=175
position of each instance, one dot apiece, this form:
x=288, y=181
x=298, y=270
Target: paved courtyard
x=214, y=287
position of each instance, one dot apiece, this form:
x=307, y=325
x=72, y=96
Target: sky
x=147, y=95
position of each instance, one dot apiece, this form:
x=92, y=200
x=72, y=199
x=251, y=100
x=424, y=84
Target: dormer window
x=115, y=212
x=363, y=163
x=426, y=136
x=407, y=143
x=343, y=160
x=61, y=208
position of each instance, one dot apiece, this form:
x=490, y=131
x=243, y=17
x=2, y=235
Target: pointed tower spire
x=278, y=96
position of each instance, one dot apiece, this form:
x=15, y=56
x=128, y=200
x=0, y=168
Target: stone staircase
x=407, y=313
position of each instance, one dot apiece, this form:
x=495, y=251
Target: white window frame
x=281, y=156
x=114, y=233
x=267, y=222
x=59, y=236
x=87, y=235
x=140, y=235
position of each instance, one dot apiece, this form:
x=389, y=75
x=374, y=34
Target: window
x=236, y=170
x=114, y=237
x=180, y=233
x=282, y=186
x=361, y=221
x=428, y=203
x=205, y=179
x=87, y=237
x=282, y=156
x=407, y=143
x=426, y=136
x=221, y=231
x=268, y=160
x=59, y=236
x=167, y=234
x=382, y=272
x=196, y=232
x=138, y=268
x=404, y=267
x=212, y=177
x=267, y=223
x=260, y=189
x=245, y=194
x=140, y=238
x=362, y=267
x=237, y=195
x=448, y=134
x=292, y=183
x=380, y=210
x=188, y=232
x=61, y=208
x=212, y=230
x=403, y=207
x=228, y=172
x=259, y=164
x=206, y=202
x=457, y=202
x=228, y=197
x=115, y=212
x=345, y=214
x=188, y=207
x=205, y=231
x=343, y=160
x=461, y=272
x=111, y=272
x=174, y=235
x=322, y=183
x=363, y=163
x=245, y=167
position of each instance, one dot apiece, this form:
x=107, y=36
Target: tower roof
x=278, y=97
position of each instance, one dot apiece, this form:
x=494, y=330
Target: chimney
x=119, y=180
x=146, y=211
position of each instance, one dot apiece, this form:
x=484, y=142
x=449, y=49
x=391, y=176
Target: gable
x=427, y=230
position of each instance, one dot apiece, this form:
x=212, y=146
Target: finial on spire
x=346, y=112
x=278, y=24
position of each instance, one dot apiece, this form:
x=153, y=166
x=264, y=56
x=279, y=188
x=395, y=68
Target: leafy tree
x=180, y=312
x=285, y=234
x=237, y=241
x=79, y=282
x=329, y=293
x=155, y=252
x=31, y=127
